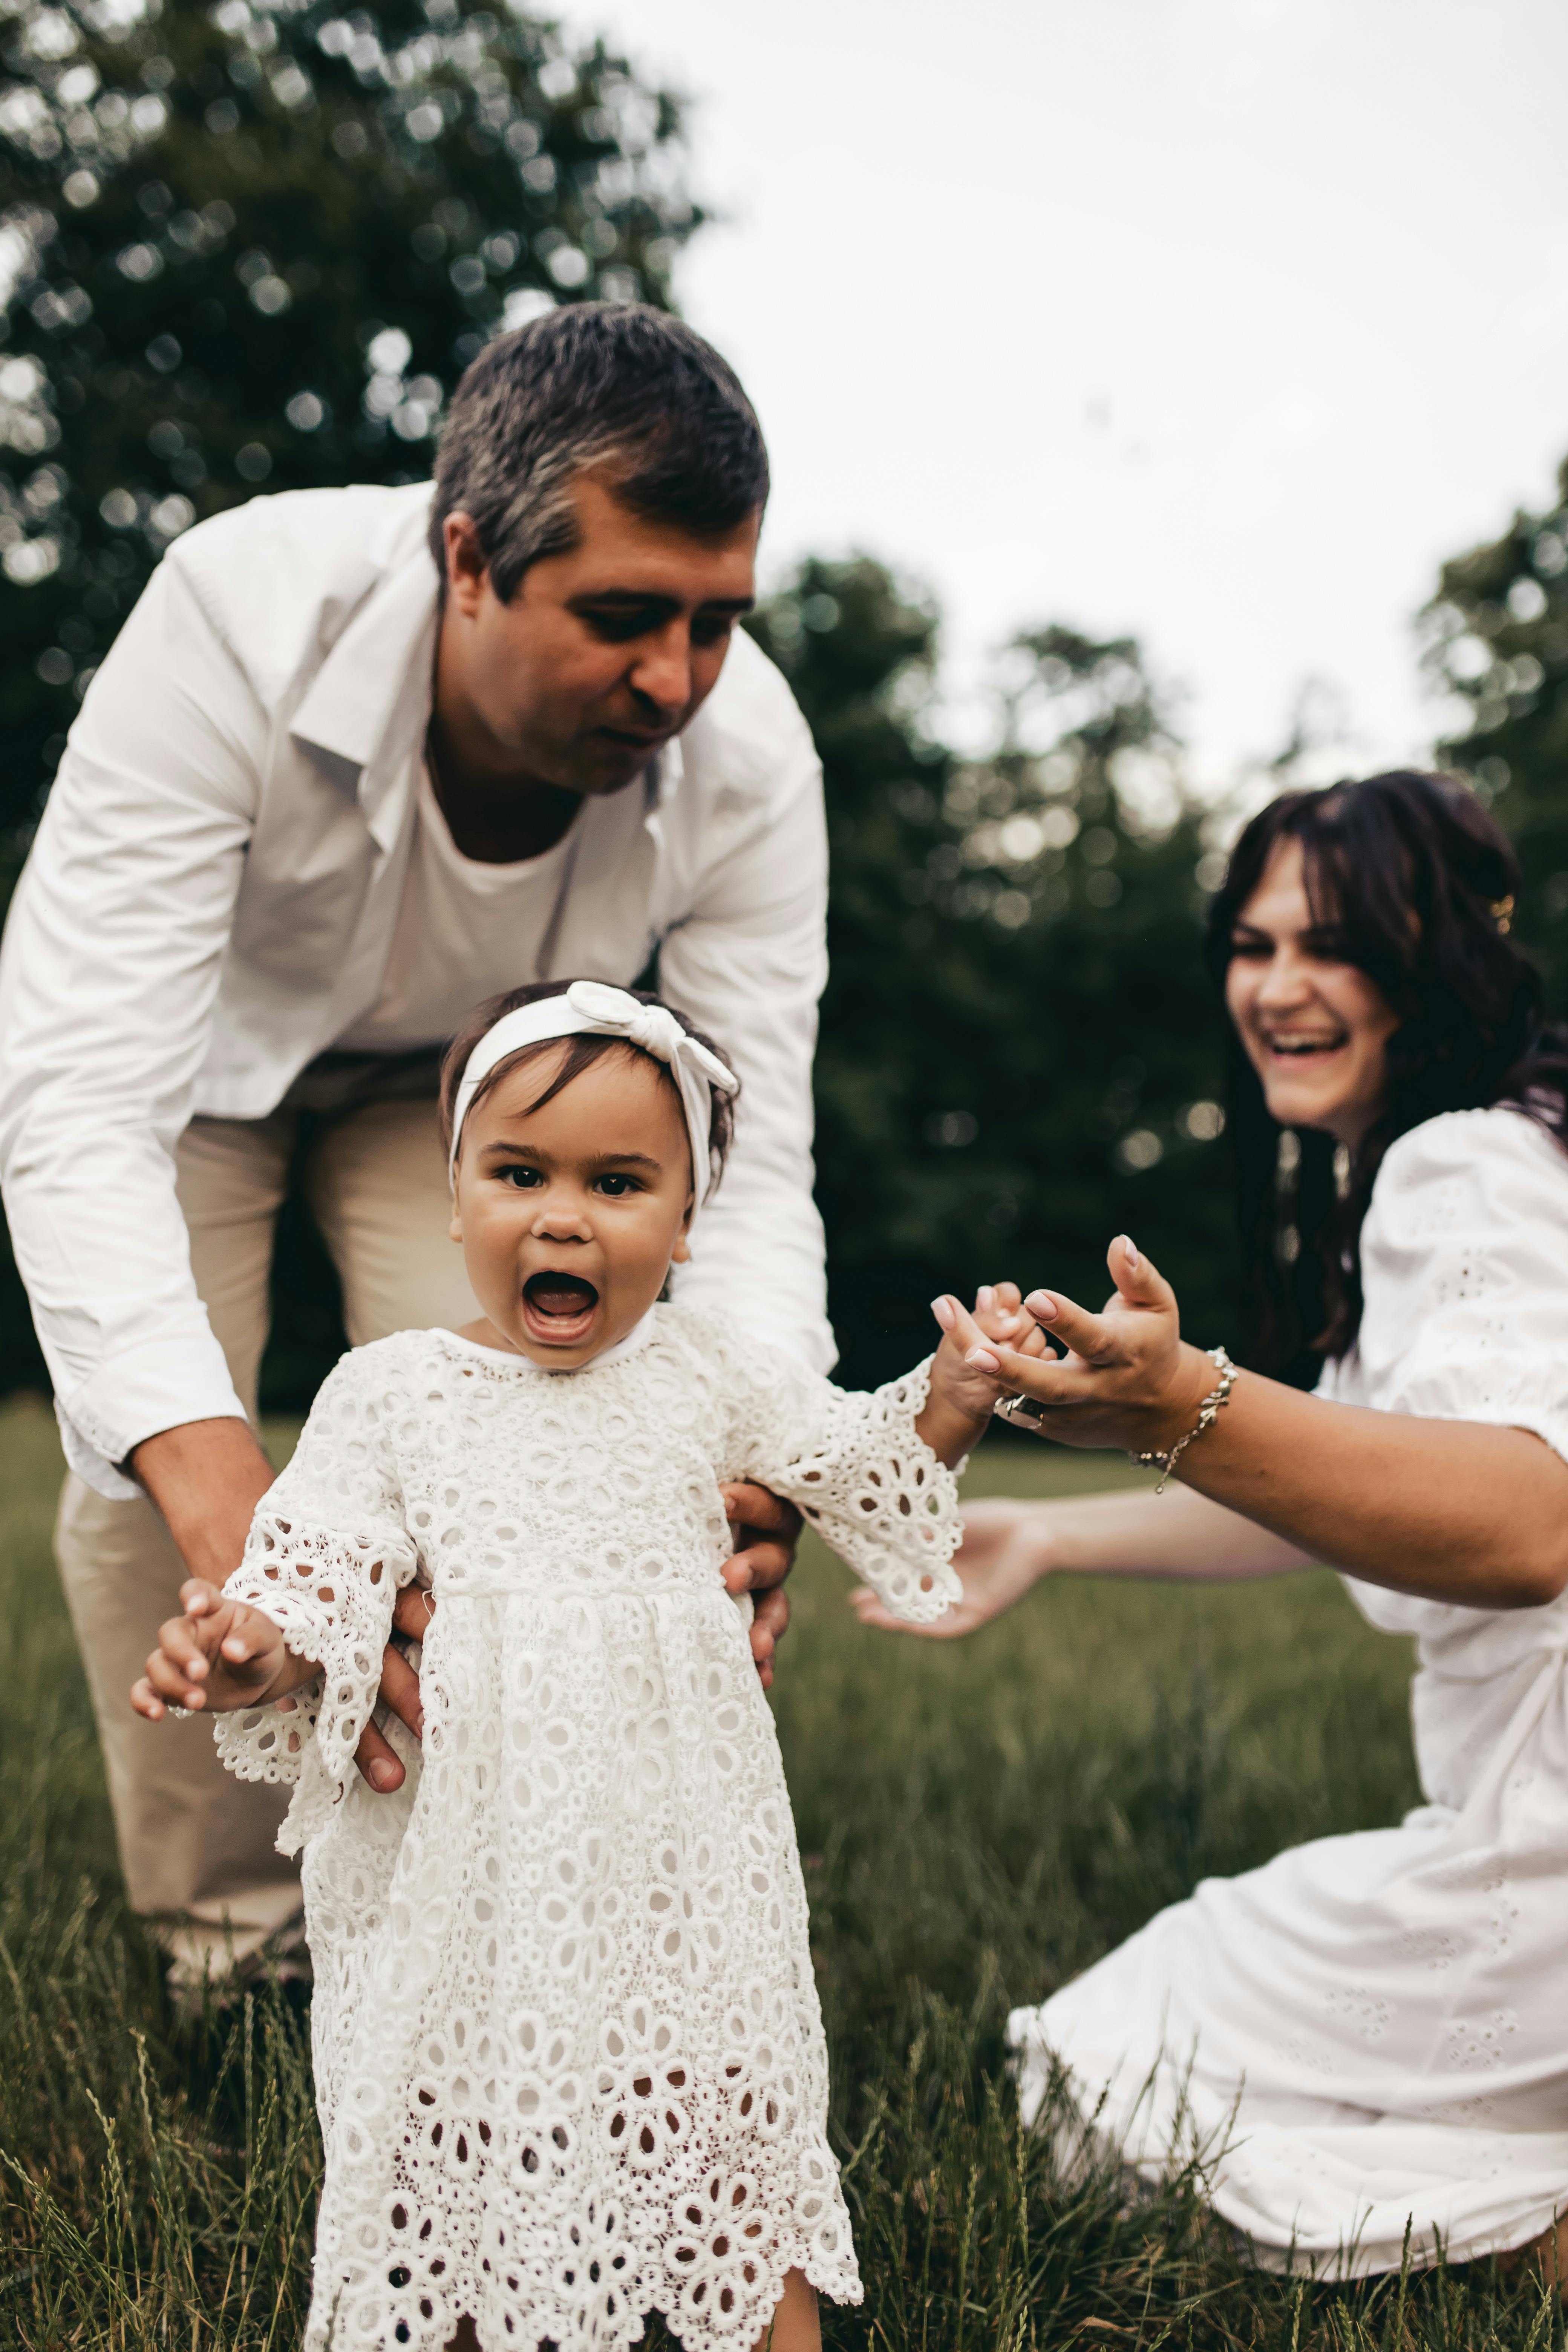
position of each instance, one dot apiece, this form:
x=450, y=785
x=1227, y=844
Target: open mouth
x=558, y=1308
x=1303, y=1049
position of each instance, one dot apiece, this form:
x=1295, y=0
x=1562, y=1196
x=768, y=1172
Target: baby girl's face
x=569, y=1216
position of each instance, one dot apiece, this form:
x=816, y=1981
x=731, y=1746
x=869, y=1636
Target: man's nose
x=662, y=672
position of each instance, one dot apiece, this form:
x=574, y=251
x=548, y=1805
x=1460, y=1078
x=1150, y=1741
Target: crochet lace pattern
x=569, y=2054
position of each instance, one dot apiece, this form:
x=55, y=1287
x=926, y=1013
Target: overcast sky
x=1221, y=320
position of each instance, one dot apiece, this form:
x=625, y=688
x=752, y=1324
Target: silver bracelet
x=1208, y=1413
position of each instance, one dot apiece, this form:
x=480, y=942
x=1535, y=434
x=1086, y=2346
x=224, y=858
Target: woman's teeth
x=1298, y=1048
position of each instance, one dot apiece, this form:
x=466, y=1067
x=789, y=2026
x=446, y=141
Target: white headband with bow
x=591, y=1008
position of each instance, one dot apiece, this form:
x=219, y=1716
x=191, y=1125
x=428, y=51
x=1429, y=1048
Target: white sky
x=1220, y=320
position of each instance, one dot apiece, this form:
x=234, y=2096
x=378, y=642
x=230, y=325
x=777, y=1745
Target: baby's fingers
x=174, y=1676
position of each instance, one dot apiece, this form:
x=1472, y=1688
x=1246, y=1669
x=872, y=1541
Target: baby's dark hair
x=580, y=1050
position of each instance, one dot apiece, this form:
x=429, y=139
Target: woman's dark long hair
x=1415, y=883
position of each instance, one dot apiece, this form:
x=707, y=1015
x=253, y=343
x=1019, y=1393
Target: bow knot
x=593, y=1008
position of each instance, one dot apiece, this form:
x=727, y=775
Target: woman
x=1371, y=2032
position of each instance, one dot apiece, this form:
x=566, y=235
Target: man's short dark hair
x=615, y=385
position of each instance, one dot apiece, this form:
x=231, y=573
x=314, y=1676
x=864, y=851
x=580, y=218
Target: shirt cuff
x=135, y=1396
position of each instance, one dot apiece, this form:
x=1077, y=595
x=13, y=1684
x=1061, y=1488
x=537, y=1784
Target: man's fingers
x=411, y=1614
x=400, y=1689
x=770, y=1624
x=747, y=1506
x=380, y=1766
x=759, y=1567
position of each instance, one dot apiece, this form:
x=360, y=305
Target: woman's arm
x=1008, y=1546
x=1450, y=1510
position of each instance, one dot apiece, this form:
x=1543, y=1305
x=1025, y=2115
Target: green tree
x=255, y=246
x=1498, y=640
x=1016, y=1031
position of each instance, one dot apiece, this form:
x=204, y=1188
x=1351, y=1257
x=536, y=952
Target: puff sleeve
x=1464, y=1273
x=328, y=1552
x=854, y=1465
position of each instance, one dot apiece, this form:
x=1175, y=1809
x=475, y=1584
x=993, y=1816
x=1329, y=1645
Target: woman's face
x=1315, y=1027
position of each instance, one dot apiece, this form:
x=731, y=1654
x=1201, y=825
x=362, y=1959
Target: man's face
x=603, y=653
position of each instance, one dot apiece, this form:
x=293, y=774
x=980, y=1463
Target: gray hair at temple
x=617, y=386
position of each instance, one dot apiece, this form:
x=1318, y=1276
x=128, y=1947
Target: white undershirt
x=465, y=930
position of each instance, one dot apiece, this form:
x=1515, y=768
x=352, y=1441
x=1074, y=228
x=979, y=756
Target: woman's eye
x=1252, y=949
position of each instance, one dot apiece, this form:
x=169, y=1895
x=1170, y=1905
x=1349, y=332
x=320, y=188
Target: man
x=357, y=759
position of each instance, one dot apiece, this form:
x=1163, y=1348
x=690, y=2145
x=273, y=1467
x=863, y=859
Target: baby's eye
x=615, y=1188
x=524, y=1179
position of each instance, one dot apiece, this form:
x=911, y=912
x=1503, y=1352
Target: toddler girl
x=568, y=2052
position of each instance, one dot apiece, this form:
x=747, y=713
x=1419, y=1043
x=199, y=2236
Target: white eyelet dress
x=1370, y=2032
x=569, y=2055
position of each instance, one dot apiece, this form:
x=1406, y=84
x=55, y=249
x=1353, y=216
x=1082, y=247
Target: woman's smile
x=1315, y=1027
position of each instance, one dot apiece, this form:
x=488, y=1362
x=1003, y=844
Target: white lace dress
x=569, y=2055
x=1376, y=2026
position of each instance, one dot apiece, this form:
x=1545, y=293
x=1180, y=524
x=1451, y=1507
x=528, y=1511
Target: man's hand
x=378, y=1762
x=765, y=1531
x=221, y=1654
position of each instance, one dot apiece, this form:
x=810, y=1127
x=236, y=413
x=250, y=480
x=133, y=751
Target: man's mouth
x=633, y=740
x=558, y=1308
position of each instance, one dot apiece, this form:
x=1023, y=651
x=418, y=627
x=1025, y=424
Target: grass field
x=979, y=1821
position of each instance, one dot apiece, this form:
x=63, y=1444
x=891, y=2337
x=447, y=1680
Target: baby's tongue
x=561, y=1294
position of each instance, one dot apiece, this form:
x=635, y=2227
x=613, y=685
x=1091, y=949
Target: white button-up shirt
x=212, y=900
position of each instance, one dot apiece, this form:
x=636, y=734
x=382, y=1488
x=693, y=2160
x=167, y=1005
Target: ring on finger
x=1021, y=1413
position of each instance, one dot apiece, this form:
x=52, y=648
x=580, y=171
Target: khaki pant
x=197, y=1844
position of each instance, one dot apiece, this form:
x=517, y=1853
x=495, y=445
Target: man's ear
x=467, y=573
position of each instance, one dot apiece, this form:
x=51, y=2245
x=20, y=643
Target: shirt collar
x=369, y=703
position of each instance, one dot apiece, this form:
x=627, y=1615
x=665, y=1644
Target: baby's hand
x=1000, y=1314
x=221, y=1654
x=965, y=1377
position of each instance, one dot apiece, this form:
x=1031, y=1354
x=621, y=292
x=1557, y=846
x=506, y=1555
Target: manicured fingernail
x=983, y=1360
x=942, y=1309
x=986, y=1297
x=1133, y=1260
x=381, y=1773
x=1041, y=1306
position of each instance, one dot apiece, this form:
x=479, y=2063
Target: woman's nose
x=1285, y=981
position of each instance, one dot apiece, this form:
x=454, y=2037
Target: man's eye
x=619, y=625
x=711, y=630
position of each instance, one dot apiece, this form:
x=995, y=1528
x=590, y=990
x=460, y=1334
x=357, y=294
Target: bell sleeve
x=853, y=1464
x=328, y=1552
x=1464, y=1273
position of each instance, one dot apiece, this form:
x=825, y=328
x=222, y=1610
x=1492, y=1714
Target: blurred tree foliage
x=1017, y=1033
x=1499, y=641
x=253, y=246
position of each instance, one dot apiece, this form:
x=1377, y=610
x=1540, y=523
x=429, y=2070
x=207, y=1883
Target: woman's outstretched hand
x=1127, y=1379
x=1006, y=1550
